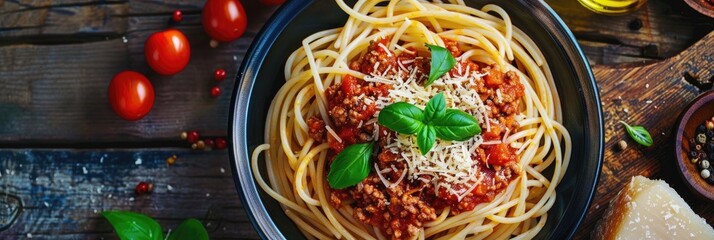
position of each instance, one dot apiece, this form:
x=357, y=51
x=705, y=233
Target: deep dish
x=589, y=116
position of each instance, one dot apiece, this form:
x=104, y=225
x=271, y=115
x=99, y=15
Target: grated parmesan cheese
x=449, y=163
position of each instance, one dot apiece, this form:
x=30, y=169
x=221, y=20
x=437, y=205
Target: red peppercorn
x=177, y=17
x=143, y=188
x=192, y=137
x=220, y=143
x=219, y=74
x=215, y=91
x=209, y=142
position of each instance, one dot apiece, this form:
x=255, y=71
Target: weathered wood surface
x=667, y=27
x=652, y=96
x=57, y=58
x=55, y=78
x=63, y=191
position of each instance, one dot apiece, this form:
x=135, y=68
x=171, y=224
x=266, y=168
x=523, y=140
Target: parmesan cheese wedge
x=651, y=209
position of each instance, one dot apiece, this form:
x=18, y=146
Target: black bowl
x=261, y=75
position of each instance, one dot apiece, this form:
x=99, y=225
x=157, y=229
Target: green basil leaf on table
x=402, y=117
x=350, y=166
x=189, y=229
x=435, y=108
x=455, y=125
x=426, y=139
x=639, y=134
x=441, y=62
x=134, y=226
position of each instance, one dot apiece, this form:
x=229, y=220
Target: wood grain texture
x=651, y=96
x=57, y=93
x=668, y=27
x=63, y=191
x=57, y=58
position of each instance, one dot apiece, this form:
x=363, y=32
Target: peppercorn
x=622, y=145
x=143, y=188
x=215, y=91
x=184, y=135
x=701, y=128
x=200, y=145
x=705, y=173
x=177, y=16
x=220, y=143
x=192, y=137
x=219, y=74
x=171, y=160
x=704, y=164
x=701, y=138
x=210, y=144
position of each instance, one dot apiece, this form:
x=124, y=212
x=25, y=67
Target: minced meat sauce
x=400, y=210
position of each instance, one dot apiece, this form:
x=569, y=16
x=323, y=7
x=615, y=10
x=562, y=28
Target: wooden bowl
x=705, y=7
x=698, y=111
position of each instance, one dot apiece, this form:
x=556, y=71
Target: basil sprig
x=350, y=166
x=131, y=225
x=441, y=62
x=435, y=121
x=639, y=134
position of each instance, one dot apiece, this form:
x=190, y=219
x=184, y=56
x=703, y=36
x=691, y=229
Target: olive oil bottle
x=613, y=7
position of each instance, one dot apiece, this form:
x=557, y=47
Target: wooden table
x=65, y=156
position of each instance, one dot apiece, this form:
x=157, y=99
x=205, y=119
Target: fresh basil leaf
x=134, y=226
x=351, y=166
x=426, y=139
x=435, y=108
x=639, y=134
x=441, y=62
x=402, y=117
x=455, y=125
x=190, y=229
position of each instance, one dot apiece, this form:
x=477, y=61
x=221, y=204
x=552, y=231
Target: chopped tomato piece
x=500, y=154
x=494, y=78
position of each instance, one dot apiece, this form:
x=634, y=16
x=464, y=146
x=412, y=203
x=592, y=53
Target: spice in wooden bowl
x=692, y=140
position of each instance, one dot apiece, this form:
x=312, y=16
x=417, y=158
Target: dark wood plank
x=48, y=22
x=63, y=191
x=668, y=27
x=57, y=93
x=652, y=96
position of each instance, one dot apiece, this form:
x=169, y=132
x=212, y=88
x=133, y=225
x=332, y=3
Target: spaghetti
x=492, y=186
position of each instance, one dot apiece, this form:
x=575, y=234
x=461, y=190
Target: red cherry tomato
x=131, y=95
x=224, y=20
x=167, y=52
x=272, y=2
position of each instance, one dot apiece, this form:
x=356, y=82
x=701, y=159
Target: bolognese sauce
x=397, y=205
